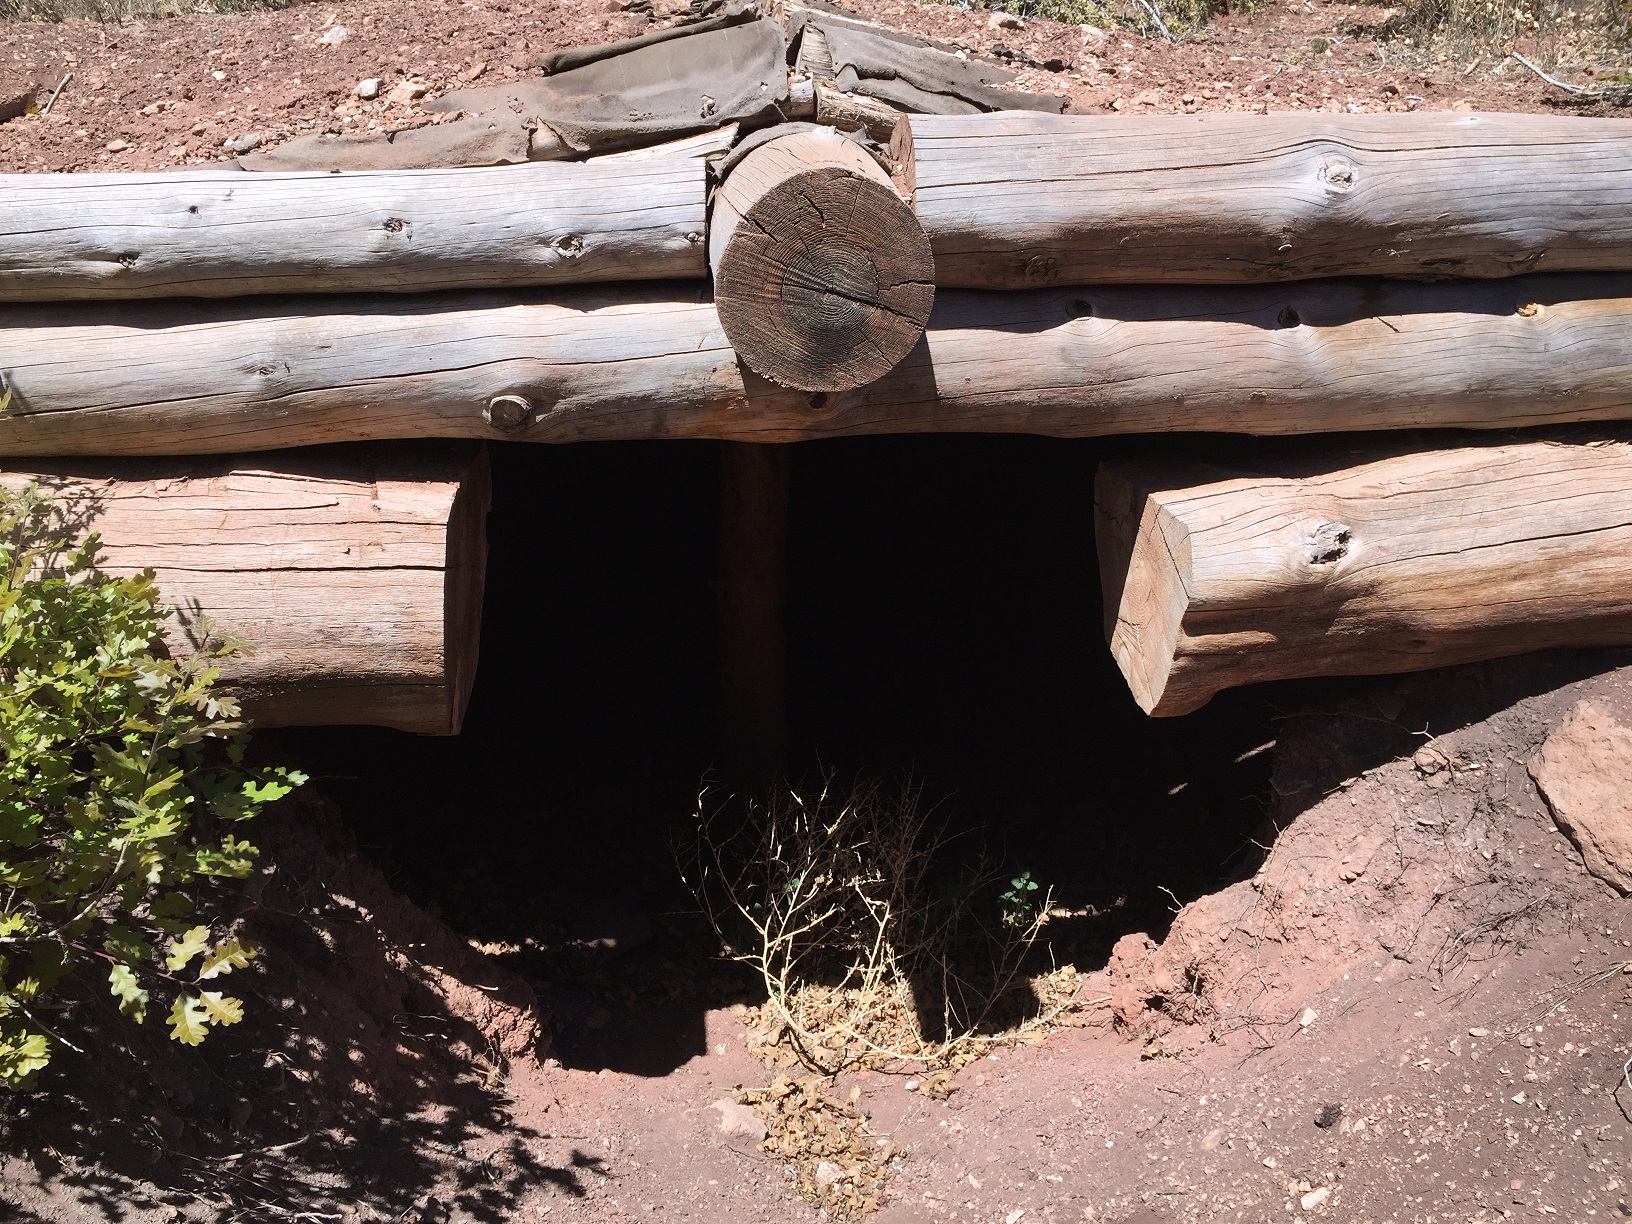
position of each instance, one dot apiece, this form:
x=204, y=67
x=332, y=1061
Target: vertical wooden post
x=752, y=593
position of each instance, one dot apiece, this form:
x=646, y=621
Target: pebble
x=116, y=146
x=1315, y=1198
x=369, y=88
x=1310, y=1015
x=219, y=75
x=334, y=36
x=827, y=1173
x=911, y=1085
x=1478, y=1032
x=244, y=143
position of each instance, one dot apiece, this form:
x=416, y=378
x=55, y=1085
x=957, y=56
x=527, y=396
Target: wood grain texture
x=1359, y=564
x=357, y=574
x=628, y=362
x=1021, y=200
x=822, y=275
x=224, y=233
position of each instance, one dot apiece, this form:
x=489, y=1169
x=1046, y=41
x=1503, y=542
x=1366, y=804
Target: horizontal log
x=225, y=233
x=355, y=574
x=1021, y=200
x=1360, y=563
x=822, y=275
x=629, y=362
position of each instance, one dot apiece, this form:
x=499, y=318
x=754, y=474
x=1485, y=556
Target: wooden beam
x=1021, y=200
x=752, y=595
x=226, y=233
x=1360, y=561
x=630, y=362
x=822, y=275
x=357, y=573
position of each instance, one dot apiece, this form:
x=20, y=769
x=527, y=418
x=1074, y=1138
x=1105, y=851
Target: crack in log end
x=1289, y=317
x=1328, y=544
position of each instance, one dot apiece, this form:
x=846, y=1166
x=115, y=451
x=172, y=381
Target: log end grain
x=823, y=277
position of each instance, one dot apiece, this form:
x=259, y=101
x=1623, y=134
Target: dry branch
x=1360, y=563
x=1020, y=200
x=357, y=576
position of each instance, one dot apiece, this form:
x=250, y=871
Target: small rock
x=1269, y=1162
x=1004, y=21
x=738, y=1120
x=1518, y=1098
x=1478, y=1032
x=911, y=1085
x=334, y=36
x=1093, y=36
x=1430, y=760
x=219, y=75
x=1463, y=105
x=244, y=143
x=116, y=146
x=1015, y=1216
x=1315, y=1198
x=1584, y=771
x=1055, y=65
x=369, y=88
x=406, y=93
x=1310, y=1015
x=827, y=1173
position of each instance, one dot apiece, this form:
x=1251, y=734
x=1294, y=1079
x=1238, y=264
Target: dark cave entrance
x=943, y=619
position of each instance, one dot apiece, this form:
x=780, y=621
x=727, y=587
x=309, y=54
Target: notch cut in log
x=1360, y=563
x=1022, y=200
x=221, y=233
x=628, y=362
x=822, y=275
x=356, y=574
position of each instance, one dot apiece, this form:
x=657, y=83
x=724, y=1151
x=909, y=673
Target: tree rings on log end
x=823, y=277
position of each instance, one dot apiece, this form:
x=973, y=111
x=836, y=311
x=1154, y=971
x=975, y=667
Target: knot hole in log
x=509, y=413
x=1338, y=174
x=1328, y=544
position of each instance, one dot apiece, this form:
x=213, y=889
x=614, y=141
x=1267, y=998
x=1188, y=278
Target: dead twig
x=46, y=109
x=1617, y=95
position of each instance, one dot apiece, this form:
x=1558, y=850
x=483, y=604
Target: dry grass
x=837, y=1162
x=1568, y=30
x=872, y=952
x=125, y=10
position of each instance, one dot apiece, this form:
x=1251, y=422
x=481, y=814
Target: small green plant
x=1018, y=905
x=121, y=783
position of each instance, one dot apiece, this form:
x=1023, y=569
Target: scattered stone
x=1093, y=36
x=406, y=93
x=1015, y=1216
x=219, y=75
x=1430, y=760
x=1309, y=1016
x=1518, y=1098
x=1478, y=1032
x=334, y=36
x=116, y=146
x=1584, y=771
x=369, y=88
x=739, y=1120
x=911, y=1085
x=244, y=143
x=1004, y=21
x=827, y=1173
x=1315, y=1198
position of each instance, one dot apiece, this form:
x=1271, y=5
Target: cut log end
x=823, y=277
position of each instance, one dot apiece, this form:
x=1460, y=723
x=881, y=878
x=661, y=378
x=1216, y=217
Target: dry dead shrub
x=839, y=1164
x=872, y=954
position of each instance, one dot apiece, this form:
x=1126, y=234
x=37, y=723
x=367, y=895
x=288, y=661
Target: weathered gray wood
x=822, y=276
x=1020, y=200
x=356, y=574
x=225, y=233
x=1360, y=563
x=631, y=363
